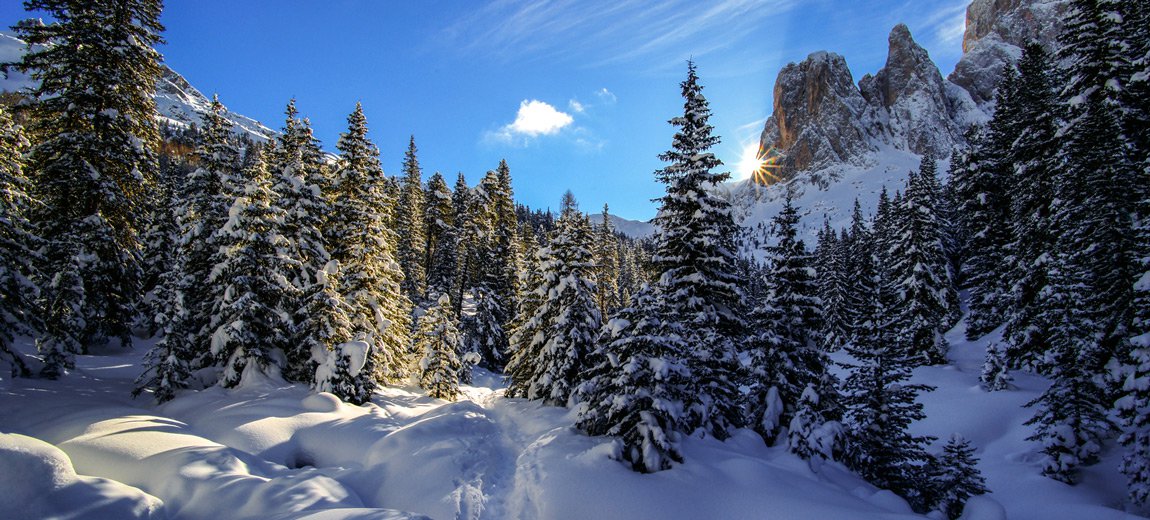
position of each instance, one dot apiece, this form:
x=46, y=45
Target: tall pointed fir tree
x=832, y=287
x=467, y=227
x=785, y=358
x=695, y=256
x=207, y=195
x=299, y=181
x=366, y=248
x=19, y=313
x=495, y=260
x=982, y=183
x=94, y=157
x=506, y=251
x=439, y=343
x=928, y=302
x=410, y=226
x=1034, y=156
x=160, y=240
x=607, y=262
x=255, y=275
x=551, y=348
x=439, y=221
x=637, y=388
x=879, y=404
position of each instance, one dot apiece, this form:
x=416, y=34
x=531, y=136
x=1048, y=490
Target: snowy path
x=273, y=450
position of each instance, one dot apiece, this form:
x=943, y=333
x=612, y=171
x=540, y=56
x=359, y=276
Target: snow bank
x=37, y=480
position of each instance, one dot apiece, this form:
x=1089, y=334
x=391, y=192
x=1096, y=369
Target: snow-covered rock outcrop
x=996, y=31
x=819, y=115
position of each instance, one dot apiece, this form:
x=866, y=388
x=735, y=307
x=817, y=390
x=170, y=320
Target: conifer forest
x=201, y=322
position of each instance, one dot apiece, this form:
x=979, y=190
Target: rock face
x=916, y=110
x=996, y=31
x=818, y=115
x=177, y=101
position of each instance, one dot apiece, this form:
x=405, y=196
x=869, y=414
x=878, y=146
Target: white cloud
x=535, y=118
x=576, y=106
x=606, y=95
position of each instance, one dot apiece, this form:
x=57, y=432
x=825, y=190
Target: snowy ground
x=83, y=448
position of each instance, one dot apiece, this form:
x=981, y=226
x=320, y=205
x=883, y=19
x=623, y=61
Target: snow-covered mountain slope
x=631, y=228
x=81, y=447
x=177, y=101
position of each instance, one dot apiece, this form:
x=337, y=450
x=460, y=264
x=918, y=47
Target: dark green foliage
x=18, y=243
x=957, y=477
x=93, y=120
x=410, y=227
x=439, y=342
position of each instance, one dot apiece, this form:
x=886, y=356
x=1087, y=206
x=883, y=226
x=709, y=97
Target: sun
x=760, y=167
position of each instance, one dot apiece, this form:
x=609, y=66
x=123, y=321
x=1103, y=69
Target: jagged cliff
x=823, y=121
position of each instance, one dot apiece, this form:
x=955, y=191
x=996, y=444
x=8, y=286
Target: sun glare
x=761, y=167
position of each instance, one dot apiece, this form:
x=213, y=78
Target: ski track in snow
x=272, y=450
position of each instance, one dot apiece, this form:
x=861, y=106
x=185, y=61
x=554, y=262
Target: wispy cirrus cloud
x=608, y=32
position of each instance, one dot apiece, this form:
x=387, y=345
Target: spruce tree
x=438, y=340
x=996, y=370
x=695, y=256
x=879, y=404
x=410, y=226
x=552, y=347
x=957, y=478
x=927, y=298
x=507, y=256
x=439, y=221
x=484, y=331
x=168, y=364
x=1034, y=155
x=160, y=238
x=832, y=283
x=247, y=323
x=637, y=390
x=18, y=244
x=95, y=70
x=326, y=316
x=467, y=226
x=366, y=247
x=785, y=358
x=607, y=263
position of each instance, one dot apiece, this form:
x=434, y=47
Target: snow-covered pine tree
x=879, y=404
x=785, y=358
x=326, y=317
x=168, y=364
x=1034, y=155
x=982, y=185
x=439, y=221
x=638, y=388
x=207, y=194
x=506, y=251
x=160, y=240
x=365, y=247
x=95, y=70
x=956, y=477
x=553, y=346
x=607, y=265
x=856, y=249
x=832, y=287
x=410, y=226
x=248, y=325
x=927, y=299
x=484, y=331
x=816, y=429
x=695, y=256
x=996, y=370
x=19, y=313
x=299, y=181
x=1071, y=420
x=438, y=340
x=468, y=231
x=1134, y=405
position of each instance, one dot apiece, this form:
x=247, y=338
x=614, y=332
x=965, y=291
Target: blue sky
x=575, y=94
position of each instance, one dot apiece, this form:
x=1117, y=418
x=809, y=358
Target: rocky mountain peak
x=818, y=114
x=996, y=31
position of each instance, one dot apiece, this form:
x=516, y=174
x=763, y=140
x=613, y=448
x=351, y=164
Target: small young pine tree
x=957, y=477
x=996, y=370
x=437, y=338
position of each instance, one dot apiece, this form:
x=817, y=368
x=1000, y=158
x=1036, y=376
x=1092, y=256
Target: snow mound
x=38, y=481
